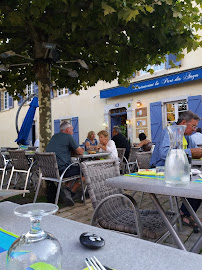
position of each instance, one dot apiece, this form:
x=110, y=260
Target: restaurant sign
x=182, y=77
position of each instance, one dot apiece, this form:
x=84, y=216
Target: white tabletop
x=152, y=185
x=121, y=252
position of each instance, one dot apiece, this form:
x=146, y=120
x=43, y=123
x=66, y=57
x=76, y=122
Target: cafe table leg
x=167, y=222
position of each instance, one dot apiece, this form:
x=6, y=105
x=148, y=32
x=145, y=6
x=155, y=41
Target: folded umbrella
x=27, y=123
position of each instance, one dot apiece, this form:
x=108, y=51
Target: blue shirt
x=92, y=144
x=162, y=146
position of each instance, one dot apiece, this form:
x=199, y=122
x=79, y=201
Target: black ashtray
x=91, y=241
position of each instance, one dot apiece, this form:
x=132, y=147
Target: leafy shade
x=114, y=37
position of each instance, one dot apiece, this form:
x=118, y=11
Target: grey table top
x=86, y=155
x=4, y=193
x=151, y=185
x=197, y=162
x=120, y=251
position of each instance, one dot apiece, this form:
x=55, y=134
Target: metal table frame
x=153, y=187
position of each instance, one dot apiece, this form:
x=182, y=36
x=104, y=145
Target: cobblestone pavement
x=83, y=213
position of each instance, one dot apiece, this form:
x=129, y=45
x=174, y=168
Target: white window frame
x=175, y=100
x=63, y=92
x=6, y=100
x=156, y=68
x=29, y=91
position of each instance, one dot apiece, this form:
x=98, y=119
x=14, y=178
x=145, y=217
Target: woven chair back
x=32, y=148
x=121, y=153
x=143, y=159
x=48, y=164
x=95, y=173
x=133, y=154
x=19, y=160
x=2, y=161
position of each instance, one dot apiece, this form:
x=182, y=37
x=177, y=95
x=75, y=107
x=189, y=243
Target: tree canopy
x=114, y=37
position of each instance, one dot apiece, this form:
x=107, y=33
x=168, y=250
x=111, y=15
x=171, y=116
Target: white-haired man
x=63, y=144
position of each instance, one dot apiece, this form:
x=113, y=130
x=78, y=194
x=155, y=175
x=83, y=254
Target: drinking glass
x=160, y=170
x=36, y=249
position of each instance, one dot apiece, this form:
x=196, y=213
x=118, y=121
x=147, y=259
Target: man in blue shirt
x=159, y=154
x=62, y=144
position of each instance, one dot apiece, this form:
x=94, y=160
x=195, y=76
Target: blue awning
x=181, y=77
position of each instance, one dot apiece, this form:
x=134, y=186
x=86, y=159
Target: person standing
x=162, y=146
x=62, y=144
x=120, y=141
x=197, y=137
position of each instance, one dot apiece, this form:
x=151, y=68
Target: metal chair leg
x=38, y=187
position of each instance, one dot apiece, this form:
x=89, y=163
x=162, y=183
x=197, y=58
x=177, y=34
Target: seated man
x=120, y=140
x=62, y=144
x=159, y=154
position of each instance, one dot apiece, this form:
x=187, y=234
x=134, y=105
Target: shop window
x=173, y=111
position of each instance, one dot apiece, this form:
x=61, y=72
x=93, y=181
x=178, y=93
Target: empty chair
x=20, y=164
x=49, y=171
x=115, y=211
x=131, y=163
x=143, y=159
x=121, y=153
x=4, y=166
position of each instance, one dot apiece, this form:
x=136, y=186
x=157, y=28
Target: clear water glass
x=36, y=249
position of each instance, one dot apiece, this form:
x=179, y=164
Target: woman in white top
x=106, y=145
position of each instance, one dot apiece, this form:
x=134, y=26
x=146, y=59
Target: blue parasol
x=27, y=123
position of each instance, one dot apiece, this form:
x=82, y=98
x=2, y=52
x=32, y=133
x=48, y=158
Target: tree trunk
x=43, y=75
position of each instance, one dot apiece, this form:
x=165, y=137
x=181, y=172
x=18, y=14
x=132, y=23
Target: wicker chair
x=143, y=159
x=131, y=163
x=115, y=211
x=121, y=153
x=20, y=164
x=49, y=171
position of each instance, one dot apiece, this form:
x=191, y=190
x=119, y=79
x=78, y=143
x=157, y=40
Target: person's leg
x=195, y=203
x=186, y=218
x=71, y=186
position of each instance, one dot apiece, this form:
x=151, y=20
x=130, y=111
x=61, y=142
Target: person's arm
x=79, y=151
x=196, y=152
x=104, y=147
x=164, y=145
x=87, y=144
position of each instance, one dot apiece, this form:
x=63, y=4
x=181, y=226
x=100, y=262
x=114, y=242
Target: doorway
x=118, y=118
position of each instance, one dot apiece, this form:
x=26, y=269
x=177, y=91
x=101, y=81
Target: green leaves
x=107, y=9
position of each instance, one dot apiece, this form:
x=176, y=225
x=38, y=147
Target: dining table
x=7, y=193
x=155, y=186
x=120, y=251
x=197, y=162
x=86, y=155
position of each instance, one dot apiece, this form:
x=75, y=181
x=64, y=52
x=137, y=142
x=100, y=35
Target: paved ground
x=82, y=213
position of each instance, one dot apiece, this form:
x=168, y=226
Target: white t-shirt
x=111, y=148
x=197, y=138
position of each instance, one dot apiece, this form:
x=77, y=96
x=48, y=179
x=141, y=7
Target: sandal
x=191, y=223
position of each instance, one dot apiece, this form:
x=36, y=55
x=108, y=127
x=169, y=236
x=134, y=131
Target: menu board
x=141, y=130
x=141, y=123
x=141, y=112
